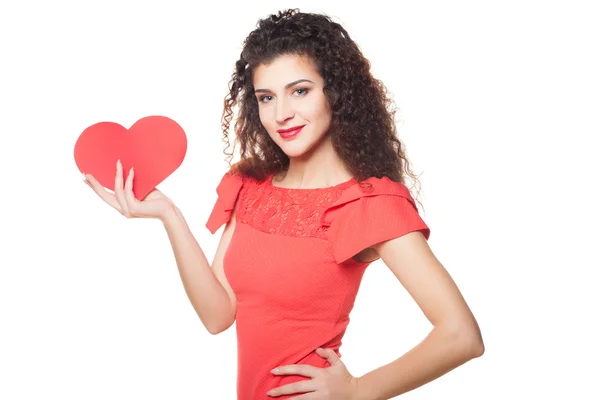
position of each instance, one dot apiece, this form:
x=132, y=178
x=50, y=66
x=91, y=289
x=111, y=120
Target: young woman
x=318, y=194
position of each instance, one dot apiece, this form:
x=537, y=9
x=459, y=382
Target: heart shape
x=155, y=146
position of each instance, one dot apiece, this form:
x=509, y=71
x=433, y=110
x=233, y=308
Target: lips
x=290, y=132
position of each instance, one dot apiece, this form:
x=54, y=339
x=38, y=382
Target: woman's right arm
x=207, y=287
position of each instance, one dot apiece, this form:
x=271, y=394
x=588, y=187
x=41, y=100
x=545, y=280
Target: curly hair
x=360, y=105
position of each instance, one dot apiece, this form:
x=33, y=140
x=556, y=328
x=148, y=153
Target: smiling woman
x=294, y=105
x=318, y=194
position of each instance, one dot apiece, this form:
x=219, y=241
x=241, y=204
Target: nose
x=283, y=110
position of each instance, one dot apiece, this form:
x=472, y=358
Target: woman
x=317, y=196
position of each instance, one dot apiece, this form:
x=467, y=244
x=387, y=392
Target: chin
x=294, y=153
x=296, y=150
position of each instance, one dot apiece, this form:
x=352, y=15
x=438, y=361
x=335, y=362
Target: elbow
x=218, y=320
x=213, y=330
x=216, y=329
x=476, y=348
x=472, y=343
x=467, y=341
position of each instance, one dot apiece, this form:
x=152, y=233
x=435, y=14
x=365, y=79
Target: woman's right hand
x=154, y=205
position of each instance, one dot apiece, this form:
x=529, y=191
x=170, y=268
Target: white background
x=498, y=107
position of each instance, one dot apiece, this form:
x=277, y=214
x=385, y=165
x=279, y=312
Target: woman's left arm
x=455, y=337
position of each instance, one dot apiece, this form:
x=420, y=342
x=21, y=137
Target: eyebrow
x=286, y=86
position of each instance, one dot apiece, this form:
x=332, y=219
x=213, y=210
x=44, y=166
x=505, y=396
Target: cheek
x=263, y=115
x=311, y=111
x=320, y=110
x=320, y=114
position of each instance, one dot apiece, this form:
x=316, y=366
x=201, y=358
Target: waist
x=255, y=378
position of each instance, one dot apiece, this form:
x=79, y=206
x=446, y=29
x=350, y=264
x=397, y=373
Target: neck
x=319, y=168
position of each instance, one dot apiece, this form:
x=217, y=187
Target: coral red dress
x=290, y=264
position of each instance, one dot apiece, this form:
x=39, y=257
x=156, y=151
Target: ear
x=332, y=97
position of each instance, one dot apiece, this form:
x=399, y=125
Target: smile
x=290, y=133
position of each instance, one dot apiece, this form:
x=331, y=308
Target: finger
x=329, y=354
x=297, y=369
x=86, y=181
x=108, y=197
x=305, y=386
x=129, y=197
x=119, y=190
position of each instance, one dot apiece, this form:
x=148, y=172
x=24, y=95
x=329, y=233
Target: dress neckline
x=342, y=185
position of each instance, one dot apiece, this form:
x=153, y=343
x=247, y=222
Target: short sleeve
x=227, y=191
x=360, y=219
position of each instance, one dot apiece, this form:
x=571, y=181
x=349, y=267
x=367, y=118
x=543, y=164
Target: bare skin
x=205, y=283
x=154, y=205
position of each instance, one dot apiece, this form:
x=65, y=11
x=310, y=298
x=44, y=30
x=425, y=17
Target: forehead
x=285, y=69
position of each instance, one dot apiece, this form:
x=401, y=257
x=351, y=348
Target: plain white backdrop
x=498, y=105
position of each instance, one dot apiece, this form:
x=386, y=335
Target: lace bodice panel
x=284, y=211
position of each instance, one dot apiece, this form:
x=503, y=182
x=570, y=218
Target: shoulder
x=371, y=191
x=369, y=212
x=228, y=190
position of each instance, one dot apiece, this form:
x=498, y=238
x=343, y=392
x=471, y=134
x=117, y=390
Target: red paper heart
x=154, y=146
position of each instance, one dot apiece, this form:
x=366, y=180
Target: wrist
x=170, y=214
x=360, y=392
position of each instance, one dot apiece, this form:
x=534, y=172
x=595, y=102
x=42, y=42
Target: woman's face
x=289, y=92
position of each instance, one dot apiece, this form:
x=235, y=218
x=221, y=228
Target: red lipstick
x=290, y=132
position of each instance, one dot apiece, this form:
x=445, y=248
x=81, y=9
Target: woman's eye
x=297, y=92
x=301, y=91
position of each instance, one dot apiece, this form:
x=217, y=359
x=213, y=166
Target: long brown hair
x=363, y=129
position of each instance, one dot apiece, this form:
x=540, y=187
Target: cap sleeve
x=361, y=218
x=227, y=191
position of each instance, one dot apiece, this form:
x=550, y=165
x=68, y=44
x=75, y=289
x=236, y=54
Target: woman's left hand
x=331, y=383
